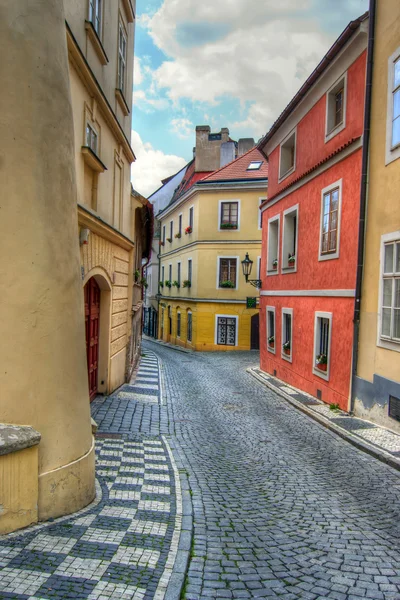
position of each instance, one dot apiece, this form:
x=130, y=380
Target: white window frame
x=179, y=272
x=219, y=257
x=230, y=201
x=170, y=274
x=93, y=130
x=191, y=208
x=392, y=152
x=271, y=309
x=287, y=311
x=180, y=221
x=190, y=260
x=189, y=312
x=236, y=329
x=96, y=14
x=331, y=133
x=383, y=342
x=282, y=176
x=121, y=57
x=284, y=261
x=171, y=230
x=260, y=201
x=163, y=274
x=163, y=237
x=269, y=261
x=326, y=190
x=178, y=314
x=322, y=315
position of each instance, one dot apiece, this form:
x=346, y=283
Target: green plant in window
x=227, y=284
x=168, y=283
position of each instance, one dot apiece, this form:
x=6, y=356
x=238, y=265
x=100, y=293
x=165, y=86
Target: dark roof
x=321, y=67
x=188, y=181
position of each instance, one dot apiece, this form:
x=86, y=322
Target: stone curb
x=178, y=575
x=166, y=345
x=370, y=449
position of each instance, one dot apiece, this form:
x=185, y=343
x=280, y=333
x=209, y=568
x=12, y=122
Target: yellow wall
x=383, y=214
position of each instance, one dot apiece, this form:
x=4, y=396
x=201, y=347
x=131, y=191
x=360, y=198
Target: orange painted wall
x=310, y=145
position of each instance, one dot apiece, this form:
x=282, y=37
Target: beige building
x=377, y=383
x=100, y=37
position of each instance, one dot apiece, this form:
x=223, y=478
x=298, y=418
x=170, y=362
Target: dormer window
x=254, y=165
x=287, y=163
x=336, y=108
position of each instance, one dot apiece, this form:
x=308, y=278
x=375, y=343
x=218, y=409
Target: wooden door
x=255, y=332
x=92, y=315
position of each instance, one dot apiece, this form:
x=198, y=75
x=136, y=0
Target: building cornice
x=89, y=220
x=209, y=242
x=310, y=293
x=217, y=300
x=94, y=88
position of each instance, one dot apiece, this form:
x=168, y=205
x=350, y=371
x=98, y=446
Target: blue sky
x=224, y=63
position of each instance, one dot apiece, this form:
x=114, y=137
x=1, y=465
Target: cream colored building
x=377, y=384
x=100, y=39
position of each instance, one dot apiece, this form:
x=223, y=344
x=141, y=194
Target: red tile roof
x=238, y=169
x=190, y=178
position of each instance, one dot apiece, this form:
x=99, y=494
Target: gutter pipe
x=363, y=198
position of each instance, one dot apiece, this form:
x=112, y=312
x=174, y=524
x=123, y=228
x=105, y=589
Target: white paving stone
x=143, y=557
x=84, y=568
x=154, y=505
x=106, y=590
x=52, y=543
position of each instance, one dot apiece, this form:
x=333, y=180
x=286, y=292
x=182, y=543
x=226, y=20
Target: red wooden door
x=92, y=314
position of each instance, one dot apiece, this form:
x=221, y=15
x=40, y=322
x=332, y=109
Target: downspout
x=363, y=197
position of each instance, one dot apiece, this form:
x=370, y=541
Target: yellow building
x=377, y=384
x=100, y=38
x=206, y=231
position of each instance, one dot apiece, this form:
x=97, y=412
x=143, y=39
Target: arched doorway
x=92, y=321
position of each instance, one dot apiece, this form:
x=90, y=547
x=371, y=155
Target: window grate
x=394, y=408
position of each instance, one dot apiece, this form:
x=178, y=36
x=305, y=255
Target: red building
x=310, y=225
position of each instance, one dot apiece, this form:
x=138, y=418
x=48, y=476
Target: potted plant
x=322, y=362
x=186, y=283
x=137, y=275
x=286, y=348
x=176, y=284
x=229, y=226
x=161, y=284
x=161, y=243
x=144, y=283
x=168, y=283
x=188, y=230
x=271, y=341
x=291, y=261
x=178, y=235
x=169, y=240
x=227, y=284
x=275, y=264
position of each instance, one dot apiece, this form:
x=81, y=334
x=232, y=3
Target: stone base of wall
x=372, y=400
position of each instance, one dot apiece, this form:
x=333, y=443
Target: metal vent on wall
x=394, y=408
x=319, y=394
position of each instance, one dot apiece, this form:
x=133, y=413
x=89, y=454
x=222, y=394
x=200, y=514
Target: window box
x=186, y=283
x=178, y=235
x=291, y=262
x=286, y=348
x=229, y=226
x=322, y=362
x=96, y=42
x=122, y=102
x=162, y=243
x=188, y=230
x=227, y=284
x=271, y=342
x=169, y=240
x=168, y=284
x=176, y=284
x=92, y=160
x=161, y=284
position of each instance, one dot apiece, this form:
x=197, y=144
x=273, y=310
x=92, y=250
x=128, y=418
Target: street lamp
x=247, y=264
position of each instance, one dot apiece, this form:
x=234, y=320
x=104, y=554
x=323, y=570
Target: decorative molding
x=311, y=293
x=122, y=102
x=130, y=15
x=205, y=242
x=92, y=160
x=86, y=218
x=210, y=300
x=96, y=43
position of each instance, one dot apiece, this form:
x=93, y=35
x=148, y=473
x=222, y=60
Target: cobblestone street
x=201, y=466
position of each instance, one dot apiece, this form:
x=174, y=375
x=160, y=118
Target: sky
x=223, y=63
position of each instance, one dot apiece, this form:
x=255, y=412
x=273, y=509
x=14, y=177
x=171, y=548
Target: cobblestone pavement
x=123, y=546
x=283, y=508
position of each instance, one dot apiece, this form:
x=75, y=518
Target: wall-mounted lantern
x=247, y=264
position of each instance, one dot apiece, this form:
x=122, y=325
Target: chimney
x=244, y=145
x=227, y=153
x=208, y=148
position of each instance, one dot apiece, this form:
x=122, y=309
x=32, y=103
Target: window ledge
x=333, y=132
x=388, y=344
x=92, y=160
x=287, y=357
x=322, y=374
x=332, y=256
x=286, y=270
x=285, y=175
x=130, y=15
x=273, y=272
x=122, y=102
x=96, y=42
x=270, y=349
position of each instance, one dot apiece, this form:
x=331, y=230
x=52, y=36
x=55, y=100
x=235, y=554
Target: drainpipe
x=363, y=197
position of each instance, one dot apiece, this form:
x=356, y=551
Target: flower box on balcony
x=188, y=230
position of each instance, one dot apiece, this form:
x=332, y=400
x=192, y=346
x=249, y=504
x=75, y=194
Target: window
x=179, y=274
x=163, y=235
x=191, y=211
x=170, y=273
x=178, y=324
x=393, y=109
x=273, y=245
x=287, y=314
x=121, y=58
x=189, y=326
x=331, y=200
x=171, y=231
x=180, y=225
x=227, y=273
x=162, y=274
x=91, y=138
x=189, y=270
x=322, y=344
x=271, y=329
x=226, y=330
x=336, y=108
x=260, y=214
x=287, y=161
x=229, y=215
x=390, y=294
x=95, y=15
x=254, y=165
x=289, y=241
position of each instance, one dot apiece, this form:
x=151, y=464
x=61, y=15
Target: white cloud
x=151, y=166
x=147, y=102
x=183, y=128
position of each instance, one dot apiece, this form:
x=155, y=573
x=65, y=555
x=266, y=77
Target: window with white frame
x=122, y=58
x=178, y=324
x=289, y=239
x=273, y=245
x=331, y=202
x=95, y=15
x=162, y=274
x=227, y=271
x=179, y=226
x=287, y=350
x=322, y=344
x=163, y=235
x=189, y=326
x=170, y=273
x=393, y=108
x=226, y=330
x=390, y=297
x=287, y=159
x=179, y=274
x=171, y=231
x=191, y=217
x=271, y=329
x=189, y=271
x=91, y=138
x=260, y=214
x=229, y=215
x=336, y=108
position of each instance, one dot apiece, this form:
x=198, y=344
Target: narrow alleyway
x=280, y=506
